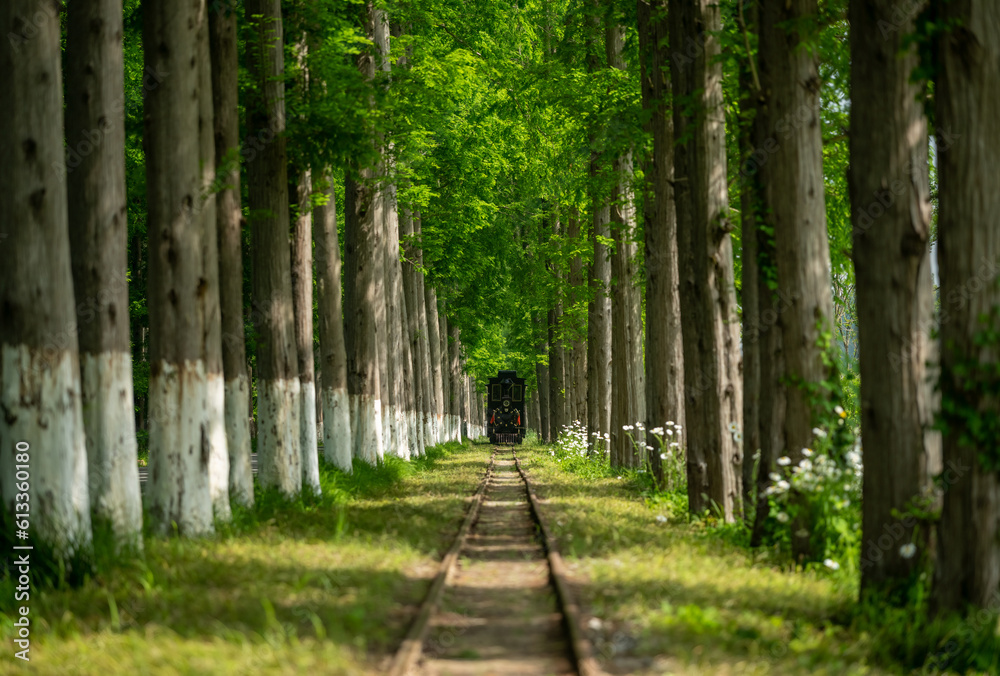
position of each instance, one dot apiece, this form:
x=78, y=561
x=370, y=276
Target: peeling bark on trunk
x=98, y=234
x=967, y=98
x=279, y=456
x=41, y=423
x=712, y=365
x=894, y=290
x=664, y=346
x=333, y=355
x=229, y=224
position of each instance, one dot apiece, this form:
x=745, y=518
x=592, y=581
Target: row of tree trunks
x=712, y=367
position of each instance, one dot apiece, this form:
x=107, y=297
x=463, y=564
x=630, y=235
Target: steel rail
x=580, y=647
x=412, y=647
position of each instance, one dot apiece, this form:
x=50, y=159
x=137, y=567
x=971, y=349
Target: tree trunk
x=795, y=200
x=98, y=242
x=333, y=355
x=712, y=366
x=399, y=370
x=542, y=381
x=968, y=140
x=42, y=423
x=302, y=298
x=664, y=347
x=894, y=292
x=578, y=363
x=750, y=193
x=449, y=425
x=764, y=337
x=180, y=434
x=629, y=401
x=215, y=401
x=426, y=369
x=229, y=223
x=436, y=361
x=557, y=373
x=415, y=319
x=455, y=381
x=279, y=456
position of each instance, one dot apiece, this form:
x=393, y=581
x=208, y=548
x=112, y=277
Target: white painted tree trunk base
x=279, y=457
x=403, y=441
x=307, y=423
x=238, y=440
x=40, y=394
x=179, y=488
x=218, y=453
x=337, y=428
x=370, y=423
x=112, y=455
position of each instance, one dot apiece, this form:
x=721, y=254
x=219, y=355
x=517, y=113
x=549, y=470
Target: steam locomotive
x=505, y=409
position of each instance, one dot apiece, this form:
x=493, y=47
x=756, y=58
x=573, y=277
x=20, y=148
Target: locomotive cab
x=506, y=423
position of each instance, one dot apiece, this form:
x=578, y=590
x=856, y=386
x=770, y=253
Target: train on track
x=505, y=414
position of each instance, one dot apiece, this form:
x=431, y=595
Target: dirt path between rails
x=499, y=615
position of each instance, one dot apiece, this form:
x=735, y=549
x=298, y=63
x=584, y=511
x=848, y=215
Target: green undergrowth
x=326, y=582
x=664, y=593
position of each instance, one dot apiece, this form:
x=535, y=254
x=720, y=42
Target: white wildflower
x=738, y=437
x=663, y=456
x=595, y=624
x=831, y=564
x=783, y=485
x=840, y=411
x=782, y=517
x=908, y=550
x=774, y=476
x=807, y=452
x=733, y=427
x=670, y=433
x=661, y=519
x=819, y=433
x=658, y=431
x=805, y=464
x=784, y=461
x=674, y=444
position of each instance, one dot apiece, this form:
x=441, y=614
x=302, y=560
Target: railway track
x=500, y=603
